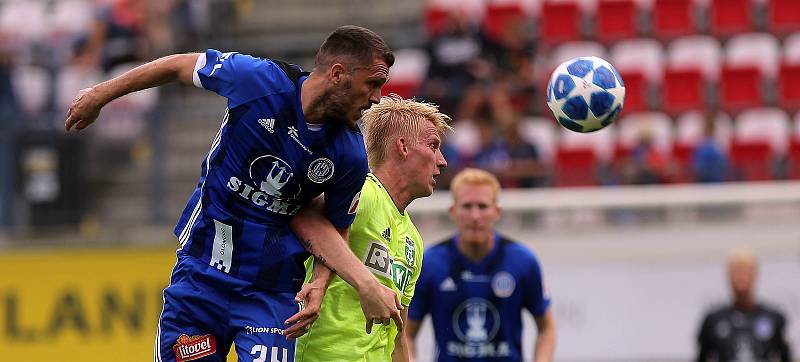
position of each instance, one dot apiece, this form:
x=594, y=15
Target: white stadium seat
x=764, y=124
x=696, y=52
x=658, y=125
x=644, y=56
x=759, y=49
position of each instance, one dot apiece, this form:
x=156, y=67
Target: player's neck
x=476, y=252
x=395, y=185
x=310, y=100
x=744, y=302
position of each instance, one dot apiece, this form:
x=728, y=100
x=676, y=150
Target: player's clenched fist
x=84, y=109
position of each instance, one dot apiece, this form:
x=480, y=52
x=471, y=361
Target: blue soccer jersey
x=265, y=163
x=477, y=308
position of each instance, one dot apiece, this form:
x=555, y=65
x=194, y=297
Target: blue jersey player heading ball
x=287, y=137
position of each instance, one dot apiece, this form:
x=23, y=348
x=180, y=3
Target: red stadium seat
x=729, y=17
x=682, y=154
x=560, y=22
x=436, y=19
x=673, y=18
x=740, y=88
x=752, y=160
x=794, y=158
x=635, y=91
x=783, y=16
x=682, y=90
x=616, y=19
x=789, y=86
x=501, y=15
x=575, y=167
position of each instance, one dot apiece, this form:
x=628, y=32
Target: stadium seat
x=740, y=88
x=728, y=17
x=616, y=20
x=791, y=49
x=70, y=18
x=560, y=22
x=689, y=128
x=763, y=124
x=500, y=15
x=575, y=49
x=683, y=90
x=793, y=154
x=696, y=52
x=789, y=86
x=673, y=18
x=793, y=159
x=580, y=155
x=541, y=132
x=436, y=19
x=759, y=49
x=636, y=91
x=760, y=135
x=575, y=167
x=642, y=55
x=24, y=21
x=751, y=160
x=783, y=16
x=657, y=124
x=751, y=59
x=32, y=87
x=438, y=13
x=407, y=73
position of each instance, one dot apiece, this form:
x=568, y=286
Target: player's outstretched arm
x=545, y=338
x=379, y=303
x=87, y=104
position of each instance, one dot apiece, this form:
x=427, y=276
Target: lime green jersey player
x=391, y=247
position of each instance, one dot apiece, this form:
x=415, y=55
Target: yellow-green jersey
x=391, y=247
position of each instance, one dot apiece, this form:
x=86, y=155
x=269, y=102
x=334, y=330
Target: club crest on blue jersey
x=503, y=284
x=320, y=170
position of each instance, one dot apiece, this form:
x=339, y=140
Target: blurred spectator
x=745, y=330
x=645, y=164
x=116, y=36
x=9, y=105
x=709, y=161
x=493, y=154
x=455, y=62
x=525, y=168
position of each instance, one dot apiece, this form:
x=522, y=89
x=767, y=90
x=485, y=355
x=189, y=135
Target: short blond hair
x=394, y=116
x=475, y=177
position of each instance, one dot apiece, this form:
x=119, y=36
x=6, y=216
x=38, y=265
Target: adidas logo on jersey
x=387, y=234
x=268, y=124
x=448, y=285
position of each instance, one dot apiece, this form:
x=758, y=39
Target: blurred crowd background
x=713, y=97
x=713, y=90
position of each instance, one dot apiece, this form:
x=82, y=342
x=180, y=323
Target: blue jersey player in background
x=476, y=284
x=287, y=137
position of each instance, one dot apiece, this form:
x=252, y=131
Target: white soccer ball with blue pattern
x=585, y=94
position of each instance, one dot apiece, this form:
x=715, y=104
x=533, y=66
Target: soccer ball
x=585, y=94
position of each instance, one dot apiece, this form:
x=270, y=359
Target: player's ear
x=336, y=73
x=401, y=145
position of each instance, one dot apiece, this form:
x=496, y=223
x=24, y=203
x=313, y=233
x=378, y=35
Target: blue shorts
x=205, y=311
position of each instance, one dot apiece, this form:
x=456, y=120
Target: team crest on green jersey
x=410, y=251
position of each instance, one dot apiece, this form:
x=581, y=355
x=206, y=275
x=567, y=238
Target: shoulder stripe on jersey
x=184, y=237
x=201, y=62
